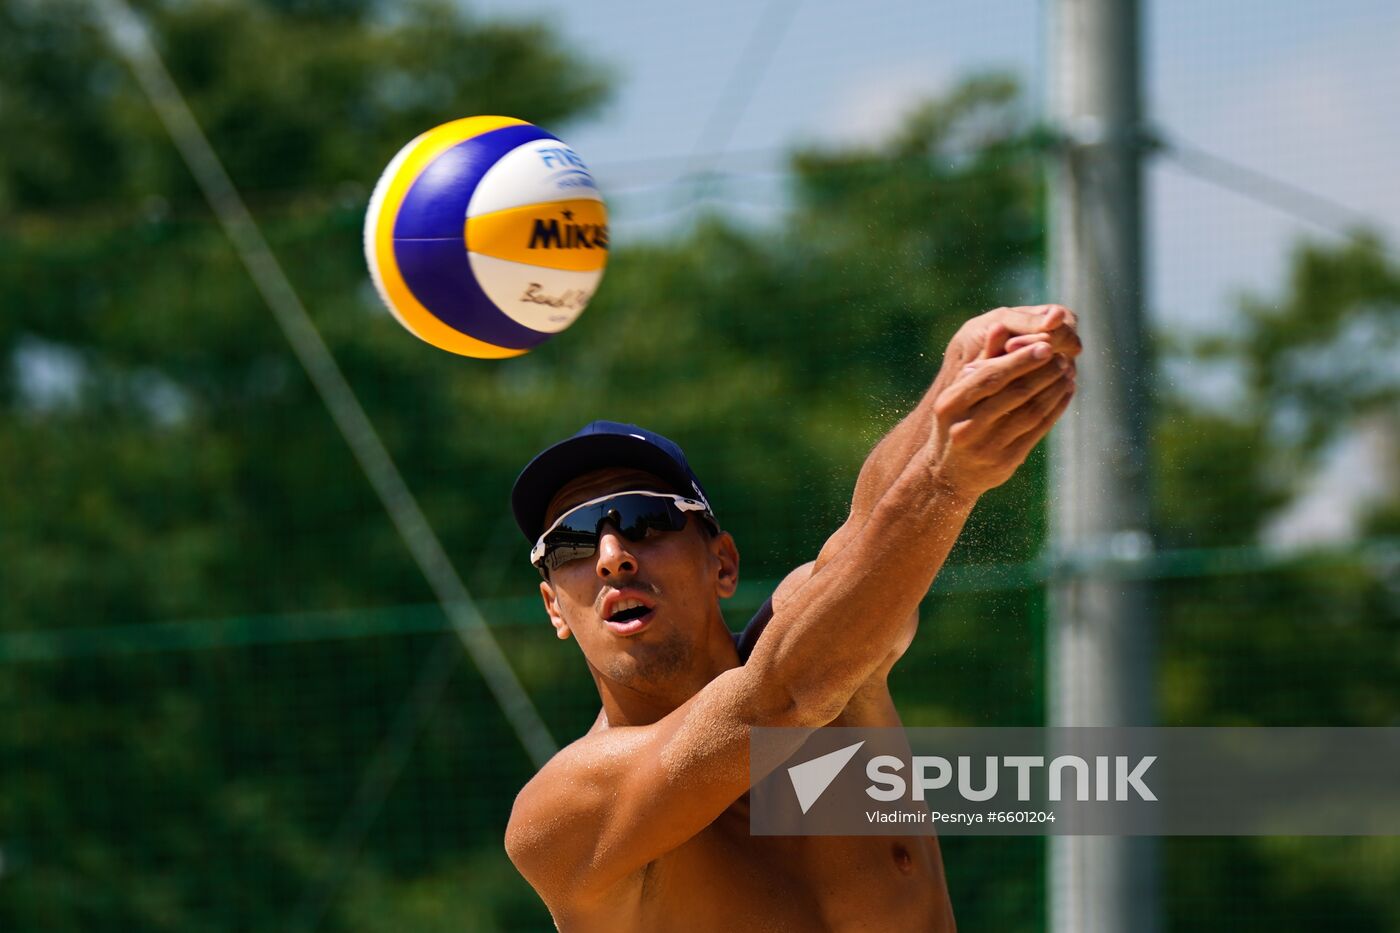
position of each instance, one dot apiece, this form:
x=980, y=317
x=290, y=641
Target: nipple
x=902, y=859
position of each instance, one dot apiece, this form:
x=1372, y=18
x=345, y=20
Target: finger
x=995, y=343
x=1026, y=416
x=1042, y=317
x=1053, y=315
x=1065, y=339
x=1064, y=330
x=1027, y=320
x=1057, y=320
x=1020, y=391
x=1025, y=340
x=1021, y=447
x=987, y=377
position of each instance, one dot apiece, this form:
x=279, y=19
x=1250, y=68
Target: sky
x=1297, y=89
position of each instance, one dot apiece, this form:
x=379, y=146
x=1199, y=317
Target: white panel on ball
x=534, y=173
x=546, y=300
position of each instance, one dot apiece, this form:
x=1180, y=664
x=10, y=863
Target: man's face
x=678, y=576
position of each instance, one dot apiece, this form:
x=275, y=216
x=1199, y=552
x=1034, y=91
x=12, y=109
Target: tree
x=166, y=460
x=1305, y=642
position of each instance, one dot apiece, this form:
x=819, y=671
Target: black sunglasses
x=575, y=533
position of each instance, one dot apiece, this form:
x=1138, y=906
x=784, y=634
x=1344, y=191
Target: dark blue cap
x=598, y=446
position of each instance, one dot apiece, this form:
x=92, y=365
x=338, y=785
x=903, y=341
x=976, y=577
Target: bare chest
x=725, y=879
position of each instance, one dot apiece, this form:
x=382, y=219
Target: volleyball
x=486, y=236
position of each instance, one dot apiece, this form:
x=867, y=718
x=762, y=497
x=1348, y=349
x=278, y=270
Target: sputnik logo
x=811, y=778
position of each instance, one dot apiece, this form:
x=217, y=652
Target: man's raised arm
x=617, y=799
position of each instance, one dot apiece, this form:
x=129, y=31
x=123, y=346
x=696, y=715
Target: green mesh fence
x=210, y=774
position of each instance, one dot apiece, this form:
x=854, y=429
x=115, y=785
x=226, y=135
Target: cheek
x=569, y=608
x=574, y=590
x=680, y=564
x=669, y=554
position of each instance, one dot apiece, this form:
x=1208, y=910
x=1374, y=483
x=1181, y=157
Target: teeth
x=627, y=604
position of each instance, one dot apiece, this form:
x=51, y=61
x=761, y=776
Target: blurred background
x=229, y=699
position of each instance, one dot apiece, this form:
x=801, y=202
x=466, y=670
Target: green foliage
x=292, y=103
x=1311, y=643
x=1322, y=354
x=1211, y=471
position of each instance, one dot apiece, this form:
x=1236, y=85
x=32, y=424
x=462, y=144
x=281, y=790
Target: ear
x=726, y=555
x=551, y=606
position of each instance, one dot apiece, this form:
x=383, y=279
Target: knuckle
x=1049, y=399
x=987, y=382
x=959, y=432
x=1016, y=393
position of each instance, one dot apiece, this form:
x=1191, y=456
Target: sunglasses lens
x=563, y=546
x=633, y=515
x=634, y=520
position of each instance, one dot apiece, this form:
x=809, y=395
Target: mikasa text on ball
x=486, y=236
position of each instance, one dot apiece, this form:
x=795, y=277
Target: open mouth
x=631, y=616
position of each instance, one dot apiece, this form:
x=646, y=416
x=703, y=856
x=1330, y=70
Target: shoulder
x=544, y=798
x=543, y=818
x=556, y=820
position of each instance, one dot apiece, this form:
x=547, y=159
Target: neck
x=644, y=704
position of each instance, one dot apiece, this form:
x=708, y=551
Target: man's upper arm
x=617, y=799
x=791, y=586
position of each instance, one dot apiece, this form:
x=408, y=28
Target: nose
x=614, y=559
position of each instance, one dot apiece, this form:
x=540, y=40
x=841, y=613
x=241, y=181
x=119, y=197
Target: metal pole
x=1100, y=644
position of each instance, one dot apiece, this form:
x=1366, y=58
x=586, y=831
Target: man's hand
x=1005, y=330
x=997, y=408
x=983, y=338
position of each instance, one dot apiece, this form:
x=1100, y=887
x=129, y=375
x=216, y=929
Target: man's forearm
x=882, y=467
x=836, y=629
x=893, y=453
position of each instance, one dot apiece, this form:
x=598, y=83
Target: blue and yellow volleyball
x=486, y=236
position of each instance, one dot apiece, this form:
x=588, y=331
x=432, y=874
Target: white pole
x=1100, y=644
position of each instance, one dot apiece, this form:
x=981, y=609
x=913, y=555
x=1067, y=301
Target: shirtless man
x=643, y=824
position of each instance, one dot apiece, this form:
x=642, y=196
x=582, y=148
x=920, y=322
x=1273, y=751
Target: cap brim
x=553, y=468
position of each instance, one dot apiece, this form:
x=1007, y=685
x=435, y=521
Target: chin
x=638, y=664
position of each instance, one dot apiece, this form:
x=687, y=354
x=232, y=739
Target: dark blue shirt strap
x=745, y=640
